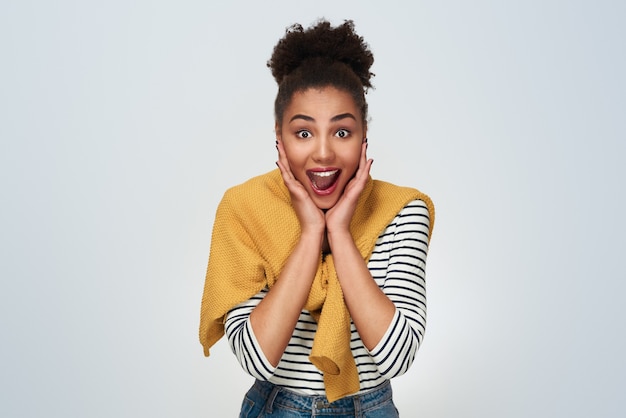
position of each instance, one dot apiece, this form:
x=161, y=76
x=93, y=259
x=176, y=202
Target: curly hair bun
x=321, y=41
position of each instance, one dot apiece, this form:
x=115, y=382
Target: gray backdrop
x=123, y=122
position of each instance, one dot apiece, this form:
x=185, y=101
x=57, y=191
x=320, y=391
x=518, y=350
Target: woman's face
x=322, y=131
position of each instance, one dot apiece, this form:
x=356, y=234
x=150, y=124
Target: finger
x=364, y=165
x=288, y=178
x=283, y=163
x=357, y=184
x=282, y=156
x=293, y=184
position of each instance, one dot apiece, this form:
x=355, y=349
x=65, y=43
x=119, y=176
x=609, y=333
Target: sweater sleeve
x=243, y=342
x=405, y=286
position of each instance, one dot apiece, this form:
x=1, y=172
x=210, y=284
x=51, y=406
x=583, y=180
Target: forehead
x=322, y=103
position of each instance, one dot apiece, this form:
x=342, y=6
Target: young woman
x=316, y=271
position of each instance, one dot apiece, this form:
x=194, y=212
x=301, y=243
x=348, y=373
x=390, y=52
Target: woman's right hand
x=310, y=216
x=274, y=319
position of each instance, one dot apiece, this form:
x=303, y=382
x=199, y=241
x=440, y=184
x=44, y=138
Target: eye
x=304, y=134
x=343, y=133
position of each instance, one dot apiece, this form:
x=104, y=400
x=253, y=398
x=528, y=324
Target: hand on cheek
x=310, y=216
x=338, y=217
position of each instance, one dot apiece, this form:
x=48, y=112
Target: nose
x=324, y=152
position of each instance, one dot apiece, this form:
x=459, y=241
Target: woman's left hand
x=338, y=217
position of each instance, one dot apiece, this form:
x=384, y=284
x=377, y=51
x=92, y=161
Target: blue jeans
x=265, y=399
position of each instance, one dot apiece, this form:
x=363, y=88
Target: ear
x=364, y=131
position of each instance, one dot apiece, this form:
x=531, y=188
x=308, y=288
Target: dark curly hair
x=321, y=56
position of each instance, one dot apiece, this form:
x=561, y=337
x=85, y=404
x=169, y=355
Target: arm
x=373, y=307
x=370, y=309
x=404, y=284
x=243, y=342
x=275, y=318
x=389, y=328
x=390, y=312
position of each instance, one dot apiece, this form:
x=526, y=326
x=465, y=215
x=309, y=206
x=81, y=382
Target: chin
x=325, y=203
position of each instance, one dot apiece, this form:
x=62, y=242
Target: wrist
x=339, y=236
x=312, y=234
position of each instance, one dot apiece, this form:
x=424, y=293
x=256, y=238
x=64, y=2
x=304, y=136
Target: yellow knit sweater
x=254, y=233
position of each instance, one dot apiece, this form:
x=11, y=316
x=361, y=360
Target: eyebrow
x=333, y=119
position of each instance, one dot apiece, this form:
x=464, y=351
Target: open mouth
x=323, y=180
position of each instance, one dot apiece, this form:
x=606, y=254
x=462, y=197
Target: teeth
x=325, y=173
x=322, y=180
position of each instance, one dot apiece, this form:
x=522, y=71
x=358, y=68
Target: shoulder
x=410, y=228
x=416, y=212
x=415, y=207
x=256, y=200
x=414, y=200
x=389, y=189
x=256, y=190
x=263, y=183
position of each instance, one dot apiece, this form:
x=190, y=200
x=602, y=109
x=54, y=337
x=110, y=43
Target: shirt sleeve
x=243, y=342
x=405, y=285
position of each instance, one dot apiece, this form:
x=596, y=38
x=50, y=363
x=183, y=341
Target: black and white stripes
x=398, y=265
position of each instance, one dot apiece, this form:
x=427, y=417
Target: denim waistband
x=278, y=395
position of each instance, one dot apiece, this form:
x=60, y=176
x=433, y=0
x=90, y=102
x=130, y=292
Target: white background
x=123, y=122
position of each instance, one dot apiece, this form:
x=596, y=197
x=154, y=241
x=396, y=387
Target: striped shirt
x=398, y=265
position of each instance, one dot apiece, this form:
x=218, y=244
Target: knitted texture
x=254, y=233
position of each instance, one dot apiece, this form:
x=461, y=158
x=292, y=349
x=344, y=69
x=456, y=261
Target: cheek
x=293, y=158
x=296, y=164
x=353, y=158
